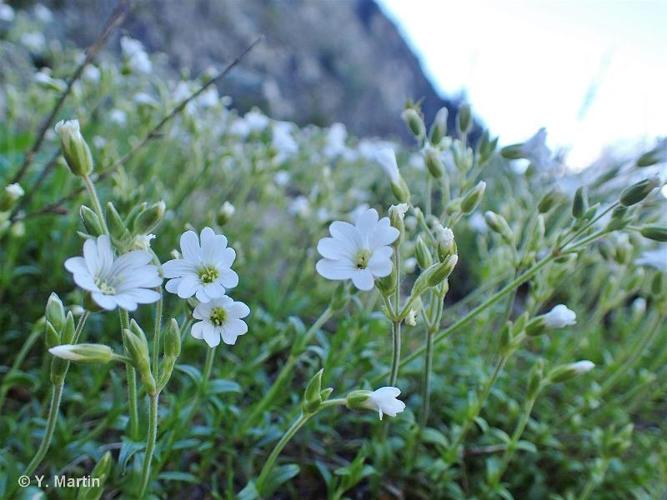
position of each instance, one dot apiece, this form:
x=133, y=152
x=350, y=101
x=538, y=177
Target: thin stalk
x=396, y=324
x=442, y=335
x=426, y=384
x=285, y=373
x=56, y=395
x=157, y=327
x=151, y=436
x=131, y=375
x=95, y=200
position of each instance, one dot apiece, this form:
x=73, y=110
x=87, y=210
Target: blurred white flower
x=335, y=140
x=6, y=12
x=299, y=206
x=205, y=269
x=92, y=74
x=15, y=191
x=34, y=41
x=118, y=116
x=136, y=57
x=144, y=99
x=115, y=282
x=477, y=223
x=283, y=142
x=385, y=401
x=559, y=317
x=220, y=318
x=43, y=13
x=281, y=178
x=143, y=241
x=256, y=121
x=654, y=258
x=360, y=252
x=581, y=367
x=387, y=159
x=536, y=151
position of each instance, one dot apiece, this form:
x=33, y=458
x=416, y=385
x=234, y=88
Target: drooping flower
x=581, y=367
x=205, y=269
x=385, y=401
x=360, y=252
x=536, y=150
x=559, y=317
x=220, y=318
x=113, y=282
x=387, y=160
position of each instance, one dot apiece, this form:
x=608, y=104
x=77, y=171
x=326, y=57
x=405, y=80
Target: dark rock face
x=321, y=61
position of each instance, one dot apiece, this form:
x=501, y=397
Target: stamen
x=208, y=274
x=218, y=316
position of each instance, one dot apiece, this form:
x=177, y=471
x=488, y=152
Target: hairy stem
x=56, y=395
x=151, y=436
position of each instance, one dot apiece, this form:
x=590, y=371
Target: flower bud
x=51, y=335
x=498, y=224
x=117, y=227
x=312, y=396
x=638, y=191
x=464, y=119
x=225, y=213
x=148, y=219
x=137, y=347
x=55, y=312
x=414, y=122
x=67, y=333
x=512, y=152
x=657, y=284
x=580, y=203
x=486, y=147
x=387, y=285
x=535, y=379
x=9, y=196
x=91, y=221
x=559, y=317
x=441, y=271
x=74, y=147
x=445, y=242
x=83, y=353
x=654, y=232
x=548, y=201
x=172, y=340
x=423, y=254
x=356, y=399
x=473, y=198
x=439, y=126
x=566, y=372
x=397, y=216
x=433, y=163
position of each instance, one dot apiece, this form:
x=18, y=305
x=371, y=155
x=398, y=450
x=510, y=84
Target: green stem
x=156, y=336
x=95, y=200
x=396, y=324
x=476, y=311
x=285, y=374
x=56, y=395
x=131, y=375
x=4, y=388
x=289, y=434
x=426, y=384
x=151, y=436
x=208, y=366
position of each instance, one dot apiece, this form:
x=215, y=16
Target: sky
x=593, y=72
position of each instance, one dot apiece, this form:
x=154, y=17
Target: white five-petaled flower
x=385, y=401
x=115, y=282
x=360, y=252
x=220, y=318
x=205, y=269
x=559, y=317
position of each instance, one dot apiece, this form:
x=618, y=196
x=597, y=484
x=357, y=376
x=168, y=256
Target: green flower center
x=208, y=274
x=218, y=316
x=105, y=287
x=362, y=258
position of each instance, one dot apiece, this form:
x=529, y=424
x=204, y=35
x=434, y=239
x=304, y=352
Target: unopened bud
x=83, y=353
x=440, y=272
x=387, y=285
x=473, y=198
x=51, y=335
x=117, y=227
x=397, y=217
x=414, y=122
x=356, y=400
x=498, y=224
x=55, y=312
x=464, y=119
x=67, y=333
x=439, y=126
x=638, y=191
x=580, y=203
x=225, y=213
x=9, y=196
x=423, y=255
x=312, y=396
x=172, y=340
x=566, y=372
x=433, y=163
x=548, y=201
x=74, y=147
x=656, y=233
x=149, y=218
x=91, y=221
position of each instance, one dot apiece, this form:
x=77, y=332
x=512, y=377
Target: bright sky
x=594, y=73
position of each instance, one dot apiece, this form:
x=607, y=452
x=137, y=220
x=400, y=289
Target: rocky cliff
x=321, y=61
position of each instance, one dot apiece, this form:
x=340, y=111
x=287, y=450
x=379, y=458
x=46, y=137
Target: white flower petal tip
x=220, y=319
x=581, y=367
x=124, y=281
x=560, y=317
x=360, y=252
x=205, y=269
x=385, y=401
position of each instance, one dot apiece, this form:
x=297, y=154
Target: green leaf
x=178, y=476
x=128, y=449
x=221, y=385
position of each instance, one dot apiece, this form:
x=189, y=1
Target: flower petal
x=363, y=279
x=190, y=246
x=177, y=267
x=211, y=336
x=187, y=287
x=366, y=221
x=105, y=301
x=335, y=269
x=233, y=329
x=336, y=249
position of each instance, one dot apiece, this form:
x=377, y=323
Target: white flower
x=281, y=178
x=124, y=281
x=385, y=401
x=654, y=258
x=335, y=140
x=559, y=317
x=359, y=252
x=205, y=269
x=68, y=128
x=536, y=150
x=220, y=317
x=6, y=12
x=15, y=191
x=299, y=206
x=137, y=59
x=43, y=13
x=118, y=116
x=581, y=367
x=256, y=121
x=283, y=142
x=34, y=41
x=387, y=159
x=92, y=74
